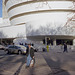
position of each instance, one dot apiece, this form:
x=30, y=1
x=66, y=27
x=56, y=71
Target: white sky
x=60, y=18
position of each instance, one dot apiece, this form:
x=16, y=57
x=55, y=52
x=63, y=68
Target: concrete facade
x=54, y=42
x=36, y=15
x=74, y=42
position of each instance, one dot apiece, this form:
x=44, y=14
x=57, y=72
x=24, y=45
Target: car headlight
x=24, y=51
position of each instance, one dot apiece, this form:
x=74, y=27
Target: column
x=54, y=42
x=73, y=42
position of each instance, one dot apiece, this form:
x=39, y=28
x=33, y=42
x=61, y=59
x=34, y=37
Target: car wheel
x=19, y=52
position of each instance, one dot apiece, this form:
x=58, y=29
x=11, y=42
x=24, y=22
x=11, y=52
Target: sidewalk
x=40, y=68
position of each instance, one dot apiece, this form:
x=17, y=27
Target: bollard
x=47, y=48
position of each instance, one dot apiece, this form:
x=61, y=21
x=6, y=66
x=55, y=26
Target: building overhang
x=41, y=37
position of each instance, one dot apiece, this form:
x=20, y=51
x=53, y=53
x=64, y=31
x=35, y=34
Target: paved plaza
x=54, y=62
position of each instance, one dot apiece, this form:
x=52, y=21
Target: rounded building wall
x=43, y=17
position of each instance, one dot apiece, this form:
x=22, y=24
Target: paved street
x=47, y=63
x=61, y=63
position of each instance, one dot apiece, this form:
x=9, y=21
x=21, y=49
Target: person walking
x=30, y=55
x=65, y=47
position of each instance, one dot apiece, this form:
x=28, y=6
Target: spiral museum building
x=50, y=20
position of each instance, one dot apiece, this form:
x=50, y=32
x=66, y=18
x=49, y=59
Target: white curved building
x=44, y=18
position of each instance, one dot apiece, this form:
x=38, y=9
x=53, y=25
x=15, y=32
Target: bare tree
x=69, y=24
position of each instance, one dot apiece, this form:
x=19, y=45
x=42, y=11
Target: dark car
x=16, y=49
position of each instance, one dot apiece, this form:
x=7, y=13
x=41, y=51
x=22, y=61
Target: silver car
x=2, y=47
x=19, y=49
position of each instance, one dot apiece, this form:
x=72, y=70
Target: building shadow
x=23, y=61
x=55, y=66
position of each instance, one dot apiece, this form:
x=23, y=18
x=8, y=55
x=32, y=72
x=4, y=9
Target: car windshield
x=12, y=46
x=22, y=47
x=16, y=47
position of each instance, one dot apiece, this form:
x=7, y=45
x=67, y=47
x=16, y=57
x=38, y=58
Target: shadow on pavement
x=55, y=66
x=22, y=60
x=7, y=63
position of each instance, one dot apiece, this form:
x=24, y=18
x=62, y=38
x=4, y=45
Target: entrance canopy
x=41, y=37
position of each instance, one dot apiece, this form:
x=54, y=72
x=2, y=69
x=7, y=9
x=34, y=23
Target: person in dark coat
x=65, y=47
x=29, y=54
x=31, y=51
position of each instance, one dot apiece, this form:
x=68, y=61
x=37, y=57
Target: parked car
x=2, y=47
x=19, y=49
